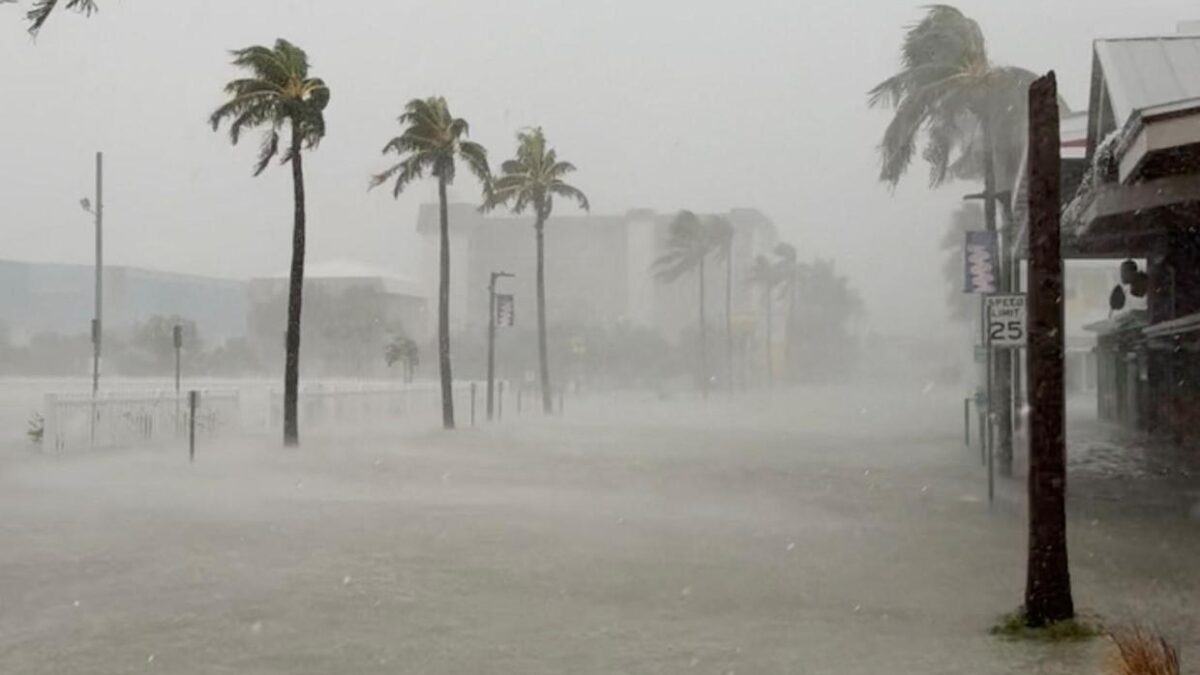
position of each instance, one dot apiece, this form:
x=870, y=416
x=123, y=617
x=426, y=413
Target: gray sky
x=665, y=104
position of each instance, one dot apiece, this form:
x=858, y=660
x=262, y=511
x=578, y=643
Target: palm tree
x=689, y=243
x=42, y=9
x=722, y=234
x=532, y=180
x=788, y=268
x=279, y=93
x=433, y=140
x=766, y=276
x=972, y=114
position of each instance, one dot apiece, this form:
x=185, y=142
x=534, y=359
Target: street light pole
x=491, y=361
x=97, y=325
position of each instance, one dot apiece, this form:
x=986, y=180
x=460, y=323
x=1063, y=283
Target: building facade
x=598, y=268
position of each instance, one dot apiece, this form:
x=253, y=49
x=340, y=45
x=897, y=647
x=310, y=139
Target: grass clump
x=1138, y=651
x=1012, y=626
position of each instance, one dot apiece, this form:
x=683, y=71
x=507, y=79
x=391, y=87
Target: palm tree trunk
x=291, y=370
x=729, y=318
x=790, y=335
x=444, y=310
x=1002, y=363
x=543, y=356
x=703, y=336
x=770, y=332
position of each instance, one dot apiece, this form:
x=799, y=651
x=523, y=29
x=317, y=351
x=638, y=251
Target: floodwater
x=839, y=530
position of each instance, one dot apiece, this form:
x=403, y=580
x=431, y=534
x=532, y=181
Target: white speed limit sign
x=1005, y=320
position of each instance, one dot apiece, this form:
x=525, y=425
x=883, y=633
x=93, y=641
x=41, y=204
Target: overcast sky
x=664, y=104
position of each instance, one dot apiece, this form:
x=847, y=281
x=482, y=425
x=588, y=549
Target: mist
x=547, y=336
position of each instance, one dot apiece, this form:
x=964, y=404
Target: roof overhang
x=1160, y=140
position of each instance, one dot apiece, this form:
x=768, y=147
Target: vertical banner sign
x=505, y=310
x=980, y=262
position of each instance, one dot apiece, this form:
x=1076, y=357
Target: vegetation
x=723, y=236
x=971, y=114
x=531, y=181
x=1139, y=651
x=434, y=141
x=40, y=13
x=1015, y=626
x=765, y=276
x=689, y=243
x=403, y=349
x=279, y=94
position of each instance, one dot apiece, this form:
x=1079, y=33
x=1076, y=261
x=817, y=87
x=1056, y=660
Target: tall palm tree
x=42, y=9
x=532, y=180
x=972, y=114
x=434, y=141
x=766, y=276
x=279, y=94
x=722, y=234
x=689, y=243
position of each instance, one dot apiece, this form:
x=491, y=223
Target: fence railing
x=328, y=405
x=133, y=418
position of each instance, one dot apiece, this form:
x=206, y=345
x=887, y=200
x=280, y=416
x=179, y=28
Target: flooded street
x=837, y=531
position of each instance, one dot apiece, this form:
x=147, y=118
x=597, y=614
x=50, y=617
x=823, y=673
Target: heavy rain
x=569, y=336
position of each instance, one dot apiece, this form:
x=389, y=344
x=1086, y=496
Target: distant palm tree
x=532, y=180
x=279, y=93
x=433, y=141
x=971, y=111
x=689, y=244
x=722, y=233
x=787, y=269
x=42, y=9
x=766, y=276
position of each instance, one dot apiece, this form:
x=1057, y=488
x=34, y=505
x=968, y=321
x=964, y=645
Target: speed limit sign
x=1005, y=321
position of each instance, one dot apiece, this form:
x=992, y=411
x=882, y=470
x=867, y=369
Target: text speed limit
x=1005, y=320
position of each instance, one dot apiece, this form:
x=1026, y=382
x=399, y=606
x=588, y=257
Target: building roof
x=347, y=269
x=1141, y=73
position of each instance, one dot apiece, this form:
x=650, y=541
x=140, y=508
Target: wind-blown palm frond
x=946, y=89
x=534, y=178
x=42, y=9
x=279, y=93
x=721, y=234
x=432, y=141
x=688, y=243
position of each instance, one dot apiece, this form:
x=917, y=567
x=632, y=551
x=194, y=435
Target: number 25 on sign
x=1005, y=320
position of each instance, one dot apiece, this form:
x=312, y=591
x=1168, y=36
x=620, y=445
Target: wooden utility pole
x=1048, y=577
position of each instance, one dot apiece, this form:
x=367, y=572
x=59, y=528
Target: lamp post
x=491, y=364
x=98, y=212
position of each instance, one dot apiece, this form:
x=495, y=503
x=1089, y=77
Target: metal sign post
x=1004, y=328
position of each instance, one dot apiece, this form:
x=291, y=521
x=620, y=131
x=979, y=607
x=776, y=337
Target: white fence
x=340, y=405
x=75, y=421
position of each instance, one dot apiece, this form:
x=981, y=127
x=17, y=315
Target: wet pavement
x=840, y=530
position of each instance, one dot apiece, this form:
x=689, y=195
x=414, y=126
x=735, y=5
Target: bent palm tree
x=787, y=268
x=279, y=93
x=972, y=114
x=766, y=276
x=532, y=180
x=689, y=242
x=722, y=234
x=433, y=141
x=42, y=9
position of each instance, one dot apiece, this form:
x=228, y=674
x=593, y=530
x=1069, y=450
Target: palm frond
x=268, y=151
x=278, y=92
x=40, y=13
